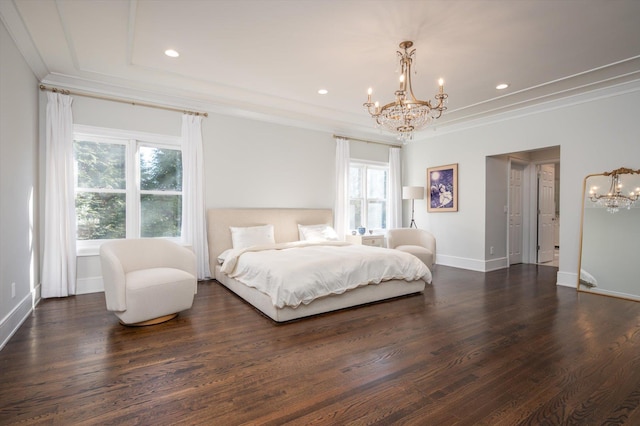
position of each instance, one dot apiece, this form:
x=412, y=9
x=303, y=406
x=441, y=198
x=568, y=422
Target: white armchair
x=418, y=242
x=147, y=281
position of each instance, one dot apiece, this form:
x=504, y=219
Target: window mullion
x=133, y=190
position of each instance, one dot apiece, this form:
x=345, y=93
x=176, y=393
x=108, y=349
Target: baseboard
x=14, y=319
x=461, y=262
x=567, y=279
x=89, y=285
x=496, y=264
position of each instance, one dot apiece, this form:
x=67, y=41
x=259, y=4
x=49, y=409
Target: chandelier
x=614, y=200
x=406, y=114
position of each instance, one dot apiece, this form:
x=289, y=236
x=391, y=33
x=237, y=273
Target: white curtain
x=194, y=230
x=394, y=216
x=341, y=207
x=59, y=258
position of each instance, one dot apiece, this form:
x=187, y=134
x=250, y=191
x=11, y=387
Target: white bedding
x=300, y=272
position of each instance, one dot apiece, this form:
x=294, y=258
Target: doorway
x=533, y=213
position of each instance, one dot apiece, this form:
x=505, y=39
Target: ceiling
x=267, y=59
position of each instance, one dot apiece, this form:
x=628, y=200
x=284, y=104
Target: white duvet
x=299, y=272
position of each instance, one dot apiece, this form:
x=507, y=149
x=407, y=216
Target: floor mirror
x=610, y=234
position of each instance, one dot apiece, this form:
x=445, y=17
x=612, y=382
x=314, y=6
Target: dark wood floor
x=502, y=348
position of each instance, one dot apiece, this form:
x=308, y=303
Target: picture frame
x=442, y=188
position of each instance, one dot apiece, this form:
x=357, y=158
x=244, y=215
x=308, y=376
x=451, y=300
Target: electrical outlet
x=491, y=250
x=13, y=290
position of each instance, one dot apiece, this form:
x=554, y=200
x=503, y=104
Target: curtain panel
x=193, y=204
x=395, y=190
x=59, y=256
x=341, y=206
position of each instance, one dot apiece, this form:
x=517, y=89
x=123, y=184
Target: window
x=368, y=189
x=128, y=185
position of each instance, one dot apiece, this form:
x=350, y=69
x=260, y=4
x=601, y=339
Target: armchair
x=147, y=281
x=418, y=242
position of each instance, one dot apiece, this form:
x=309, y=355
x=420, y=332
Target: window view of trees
x=377, y=197
x=368, y=196
x=103, y=185
x=100, y=190
x=160, y=192
x=356, y=195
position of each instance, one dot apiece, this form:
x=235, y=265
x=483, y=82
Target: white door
x=546, y=212
x=515, y=213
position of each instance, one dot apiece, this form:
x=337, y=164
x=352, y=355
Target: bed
x=285, y=228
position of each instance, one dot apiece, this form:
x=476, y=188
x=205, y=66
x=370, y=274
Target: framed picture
x=442, y=188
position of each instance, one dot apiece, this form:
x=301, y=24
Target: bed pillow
x=252, y=236
x=316, y=233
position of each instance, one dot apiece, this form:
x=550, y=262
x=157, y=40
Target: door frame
x=524, y=208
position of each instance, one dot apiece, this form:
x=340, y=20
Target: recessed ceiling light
x=502, y=86
x=323, y=91
x=171, y=53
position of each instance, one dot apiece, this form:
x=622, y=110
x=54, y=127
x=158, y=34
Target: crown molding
x=18, y=31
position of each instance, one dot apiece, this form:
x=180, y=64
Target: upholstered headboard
x=285, y=223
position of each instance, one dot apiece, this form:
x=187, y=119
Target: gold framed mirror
x=610, y=234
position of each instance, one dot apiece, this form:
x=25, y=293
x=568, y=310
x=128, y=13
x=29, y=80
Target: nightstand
x=367, y=240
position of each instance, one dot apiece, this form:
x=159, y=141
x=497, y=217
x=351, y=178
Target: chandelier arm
x=406, y=113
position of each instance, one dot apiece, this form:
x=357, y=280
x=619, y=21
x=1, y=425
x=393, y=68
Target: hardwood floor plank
x=501, y=348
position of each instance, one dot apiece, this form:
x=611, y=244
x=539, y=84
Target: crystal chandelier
x=406, y=113
x=615, y=200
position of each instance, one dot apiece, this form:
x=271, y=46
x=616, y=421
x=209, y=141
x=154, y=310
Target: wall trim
x=492, y=117
x=496, y=264
x=472, y=264
x=14, y=319
x=461, y=262
x=565, y=279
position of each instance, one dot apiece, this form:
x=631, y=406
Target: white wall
x=369, y=151
x=257, y=164
x=595, y=132
x=18, y=187
x=497, y=194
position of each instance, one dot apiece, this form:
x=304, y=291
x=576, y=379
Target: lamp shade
x=412, y=192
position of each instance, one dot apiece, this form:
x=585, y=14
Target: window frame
x=365, y=165
x=132, y=141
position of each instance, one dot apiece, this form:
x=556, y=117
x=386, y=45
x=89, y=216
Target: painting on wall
x=442, y=188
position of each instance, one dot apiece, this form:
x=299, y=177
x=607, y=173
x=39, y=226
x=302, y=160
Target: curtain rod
x=121, y=100
x=364, y=140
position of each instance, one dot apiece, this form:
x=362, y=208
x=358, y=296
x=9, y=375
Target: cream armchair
x=418, y=242
x=147, y=281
